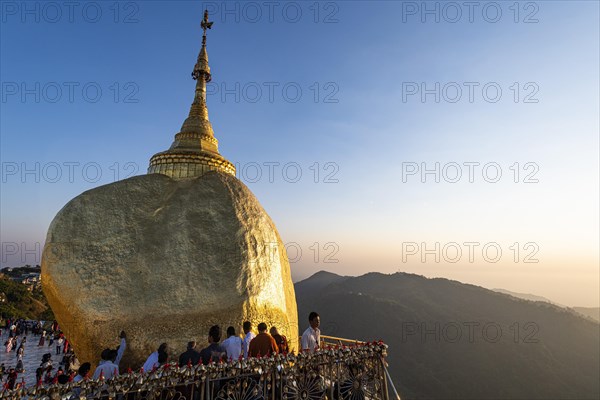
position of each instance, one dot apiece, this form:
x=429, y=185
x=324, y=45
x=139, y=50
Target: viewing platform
x=341, y=369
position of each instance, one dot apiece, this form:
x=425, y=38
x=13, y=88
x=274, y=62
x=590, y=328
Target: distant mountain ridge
x=589, y=312
x=453, y=340
x=318, y=281
x=527, y=296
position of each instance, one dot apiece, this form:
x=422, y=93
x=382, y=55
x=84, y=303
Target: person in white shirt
x=109, y=365
x=152, y=361
x=248, y=336
x=59, y=344
x=233, y=344
x=312, y=335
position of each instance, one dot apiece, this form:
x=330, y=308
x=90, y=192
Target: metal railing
x=327, y=340
x=346, y=372
x=334, y=340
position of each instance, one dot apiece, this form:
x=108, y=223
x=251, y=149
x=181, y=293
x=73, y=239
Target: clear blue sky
x=362, y=69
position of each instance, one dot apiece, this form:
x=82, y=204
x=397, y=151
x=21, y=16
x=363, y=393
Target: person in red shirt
x=281, y=340
x=263, y=344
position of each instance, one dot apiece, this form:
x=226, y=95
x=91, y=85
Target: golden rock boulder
x=165, y=259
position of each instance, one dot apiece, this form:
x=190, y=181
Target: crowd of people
x=16, y=332
x=265, y=343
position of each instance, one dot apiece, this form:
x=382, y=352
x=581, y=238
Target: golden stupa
x=166, y=255
x=195, y=150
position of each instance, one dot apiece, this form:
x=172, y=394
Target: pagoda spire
x=195, y=148
x=197, y=119
x=201, y=74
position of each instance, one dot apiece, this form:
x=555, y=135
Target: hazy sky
x=452, y=139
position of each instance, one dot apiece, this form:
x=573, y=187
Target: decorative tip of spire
x=201, y=68
x=205, y=25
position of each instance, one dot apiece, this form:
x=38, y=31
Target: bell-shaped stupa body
x=165, y=256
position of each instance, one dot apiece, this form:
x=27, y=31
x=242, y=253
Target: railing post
x=332, y=379
x=202, y=390
x=207, y=388
x=386, y=394
x=387, y=374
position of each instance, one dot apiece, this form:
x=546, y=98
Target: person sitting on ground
x=263, y=344
x=214, y=351
x=74, y=362
x=190, y=356
x=281, y=340
x=233, y=344
x=152, y=361
x=46, y=360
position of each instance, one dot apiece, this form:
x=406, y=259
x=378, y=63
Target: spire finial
x=201, y=68
x=205, y=25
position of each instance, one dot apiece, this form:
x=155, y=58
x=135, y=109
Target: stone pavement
x=32, y=356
